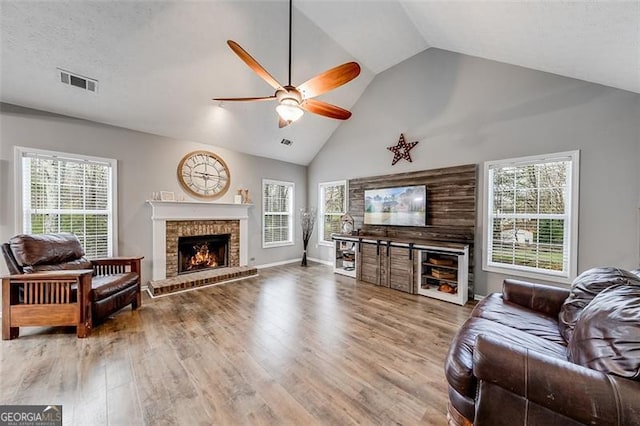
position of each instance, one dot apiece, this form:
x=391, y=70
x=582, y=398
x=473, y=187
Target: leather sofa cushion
x=459, y=363
x=495, y=308
x=81, y=263
x=104, y=286
x=584, y=288
x=607, y=335
x=31, y=250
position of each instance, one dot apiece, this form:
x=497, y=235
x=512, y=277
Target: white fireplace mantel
x=162, y=211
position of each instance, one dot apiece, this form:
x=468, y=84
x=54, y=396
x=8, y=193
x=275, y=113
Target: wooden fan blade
x=325, y=109
x=253, y=64
x=261, y=98
x=283, y=123
x=329, y=80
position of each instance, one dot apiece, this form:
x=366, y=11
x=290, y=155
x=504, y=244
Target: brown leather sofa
x=52, y=283
x=542, y=355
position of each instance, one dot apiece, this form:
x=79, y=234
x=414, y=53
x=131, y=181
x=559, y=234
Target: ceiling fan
x=292, y=100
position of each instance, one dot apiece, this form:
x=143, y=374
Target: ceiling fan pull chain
x=290, y=25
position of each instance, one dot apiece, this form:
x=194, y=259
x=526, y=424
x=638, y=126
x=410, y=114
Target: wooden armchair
x=53, y=284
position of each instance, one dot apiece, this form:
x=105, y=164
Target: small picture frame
x=167, y=196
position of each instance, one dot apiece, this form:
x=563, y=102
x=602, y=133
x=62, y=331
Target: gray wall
x=464, y=110
x=146, y=163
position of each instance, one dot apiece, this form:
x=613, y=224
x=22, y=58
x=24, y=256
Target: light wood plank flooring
x=292, y=346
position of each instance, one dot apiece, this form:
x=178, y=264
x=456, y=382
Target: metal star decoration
x=401, y=150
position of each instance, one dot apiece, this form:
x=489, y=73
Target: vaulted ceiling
x=159, y=63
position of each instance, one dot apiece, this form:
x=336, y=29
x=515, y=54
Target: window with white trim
x=531, y=220
x=69, y=193
x=277, y=213
x=333, y=205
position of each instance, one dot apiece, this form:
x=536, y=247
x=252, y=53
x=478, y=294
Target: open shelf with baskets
x=443, y=274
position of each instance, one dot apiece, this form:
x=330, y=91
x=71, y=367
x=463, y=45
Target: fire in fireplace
x=202, y=252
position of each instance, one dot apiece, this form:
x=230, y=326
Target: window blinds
x=68, y=195
x=529, y=214
x=278, y=213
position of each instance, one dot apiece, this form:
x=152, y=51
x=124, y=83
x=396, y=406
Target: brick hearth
x=199, y=279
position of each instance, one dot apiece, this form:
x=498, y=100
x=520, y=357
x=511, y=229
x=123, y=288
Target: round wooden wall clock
x=204, y=174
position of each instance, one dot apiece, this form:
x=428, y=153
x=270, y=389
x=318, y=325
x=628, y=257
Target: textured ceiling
x=159, y=63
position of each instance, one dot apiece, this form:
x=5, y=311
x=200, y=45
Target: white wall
x=464, y=110
x=146, y=163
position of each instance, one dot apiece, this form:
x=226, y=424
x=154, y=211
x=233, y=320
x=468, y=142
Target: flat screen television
x=398, y=206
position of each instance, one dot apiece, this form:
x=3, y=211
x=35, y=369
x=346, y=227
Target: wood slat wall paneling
x=451, y=208
x=370, y=267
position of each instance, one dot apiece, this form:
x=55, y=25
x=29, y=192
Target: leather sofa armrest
x=585, y=395
x=541, y=298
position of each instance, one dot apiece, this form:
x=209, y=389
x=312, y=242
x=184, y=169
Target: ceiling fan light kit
x=289, y=110
x=292, y=100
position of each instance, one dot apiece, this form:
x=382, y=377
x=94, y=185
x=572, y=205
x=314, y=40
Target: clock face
x=204, y=174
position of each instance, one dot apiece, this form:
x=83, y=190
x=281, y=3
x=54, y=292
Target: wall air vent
x=286, y=142
x=79, y=81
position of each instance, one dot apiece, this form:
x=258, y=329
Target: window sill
x=542, y=276
x=325, y=243
x=273, y=245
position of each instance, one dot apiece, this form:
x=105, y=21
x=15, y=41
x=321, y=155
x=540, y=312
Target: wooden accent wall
x=451, y=206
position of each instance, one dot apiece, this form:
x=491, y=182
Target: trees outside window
x=69, y=193
x=277, y=213
x=531, y=215
x=333, y=205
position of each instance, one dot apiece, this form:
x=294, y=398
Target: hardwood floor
x=292, y=346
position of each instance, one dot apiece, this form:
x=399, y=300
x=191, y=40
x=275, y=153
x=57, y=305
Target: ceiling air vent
x=286, y=142
x=79, y=81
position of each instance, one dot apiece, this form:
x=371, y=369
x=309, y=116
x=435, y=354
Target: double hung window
x=277, y=204
x=531, y=216
x=69, y=193
x=333, y=205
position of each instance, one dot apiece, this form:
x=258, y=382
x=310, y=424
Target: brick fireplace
x=192, y=233
x=174, y=219
x=203, y=252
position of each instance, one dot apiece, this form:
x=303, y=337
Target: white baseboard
x=324, y=262
x=478, y=297
x=299, y=259
x=283, y=262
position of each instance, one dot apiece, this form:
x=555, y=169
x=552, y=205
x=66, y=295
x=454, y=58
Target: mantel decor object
x=307, y=221
x=244, y=196
x=402, y=150
x=167, y=196
x=347, y=224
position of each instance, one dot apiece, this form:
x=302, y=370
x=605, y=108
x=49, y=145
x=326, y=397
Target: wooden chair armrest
x=116, y=260
x=50, y=275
